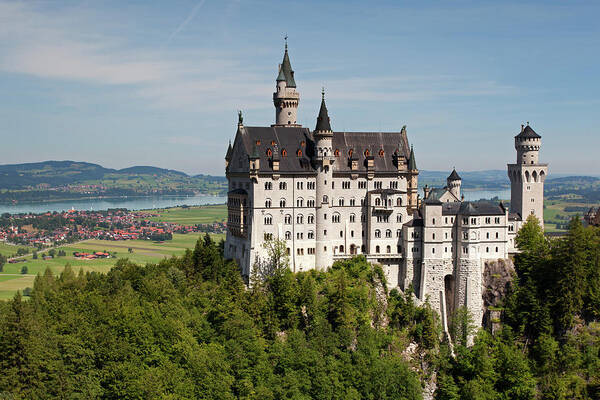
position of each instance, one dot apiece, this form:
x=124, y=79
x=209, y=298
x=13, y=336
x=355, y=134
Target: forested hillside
x=188, y=328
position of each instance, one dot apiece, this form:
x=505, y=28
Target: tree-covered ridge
x=188, y=328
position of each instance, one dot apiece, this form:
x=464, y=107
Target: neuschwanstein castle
x=331, y=195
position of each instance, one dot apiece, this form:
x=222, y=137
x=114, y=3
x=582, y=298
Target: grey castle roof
x=323, y=123
x=468, y=208
x=454, y=176
x=229, y=151
x=257, y=140
x=286, y=67
x=528, y=133
x=412, y=163
x=436, y=193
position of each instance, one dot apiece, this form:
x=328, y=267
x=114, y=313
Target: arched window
x=282, y=203
x=336, y=153
x=299, y=153
x=341, y=201
x=258, y=142
x=269, y=153
x=377, y=249
x=350, y=152
x=399, y=201
x=534, y=176
x=268, y=203
x=288, y=235
x=268, y=185
x=299, y=219
x=388, y=233
x=527, y=176
x=367, y=153
x=268, y=220
x=388, y=249
x=272, y=143
x=299, y=202
x=377, y=233
x=284, y=153
x=341, y=248
x=377, y=201
x=399, y=218
x=303, y=143
x=311, y=219
x=288, y=219
x=352, y=218
x=381, y=153
x=363, y=248
x=398, y=233
x=311, y=235
x=282, y=185
x=335, y=218
x=325, y=199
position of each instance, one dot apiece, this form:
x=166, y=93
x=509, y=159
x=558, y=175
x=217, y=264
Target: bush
x=24, y=270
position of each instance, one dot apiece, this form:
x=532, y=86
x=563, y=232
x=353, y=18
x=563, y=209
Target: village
x=53, y=229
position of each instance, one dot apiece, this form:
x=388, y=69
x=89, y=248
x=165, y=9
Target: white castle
x=333, y=195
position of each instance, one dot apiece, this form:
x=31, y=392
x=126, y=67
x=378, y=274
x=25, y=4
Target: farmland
x=190, y=215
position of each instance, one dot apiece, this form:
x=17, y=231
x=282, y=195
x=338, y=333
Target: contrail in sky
x=187, y=20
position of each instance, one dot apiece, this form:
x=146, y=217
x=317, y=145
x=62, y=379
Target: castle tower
x=286, y=97
x=323, y=160
x=527, y=176
x=453, y=182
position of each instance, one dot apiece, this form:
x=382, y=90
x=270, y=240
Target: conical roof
x=229, y=151
x=323, y=124
x=454, y=176
x=412, y=163
x=528, y=133
x=286, y=68
x=281, y=76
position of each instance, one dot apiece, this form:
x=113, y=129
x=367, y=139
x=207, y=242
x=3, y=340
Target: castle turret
x=453, y=183
x=323, y=160
x=286, y=98
x=527, y=176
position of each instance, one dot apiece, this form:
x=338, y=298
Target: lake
x=130, y=203
x=144, y=203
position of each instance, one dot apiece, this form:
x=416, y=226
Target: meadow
x=142, y=251
x=556, y=216
x=191, y=215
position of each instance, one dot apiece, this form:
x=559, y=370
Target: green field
x=10, y=249
x=555, y=214
x=144, y=251
x=191, y=215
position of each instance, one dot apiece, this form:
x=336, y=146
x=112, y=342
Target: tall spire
x=412, y=163
x=286, y=67
x=323, y=124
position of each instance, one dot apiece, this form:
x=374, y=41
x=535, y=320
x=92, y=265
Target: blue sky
x=159, y=83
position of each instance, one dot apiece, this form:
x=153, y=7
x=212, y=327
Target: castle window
x=351, y=233
x=341, y=234
x=341, y=249
x=299, y=219
x=303, y=143
x=311, y=219
x=282, y=186
x=377, y=233
x=378, y=185
x=310, y=185
x=269, y=153
x=350, y=152
x=284, y=153
x=325, y=199
x=282, y=203
x=299, y=153
x=310, y=203
x=352, y=218
x=341, y=201
x=268, y=220
x=465, y=221
x=496, y=235
x=398, y=233
x=363, y=249
x=352, y=201
x=496, y=249
x=336, y=153
x=389, y=249
x=433, y=236
x=335, y=218
x=288, y=235
x=367, y=153
x=377, y=249
x=497, y=220
x=299, y=185
x=362, y=184
x=345, y=185
x=487, y=235
x=272, y=143
x=488, y=220
x=381, y=153
x=433, y=251
x=288, y=219
x=311, y=235
x=299, y=202
x=388, y=233
x=325, y=234
x=268, y=185
x=399, y=218
x=268, y=203
x=487, y=249
x=258, y=142
x=268, y=236
x=394, y=185
x=377, y=201
x=433, y=221
x=299, y=235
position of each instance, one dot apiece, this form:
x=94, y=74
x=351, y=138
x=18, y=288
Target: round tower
x=286, y=98
x=527, y=144
x=323, y=159
x=453, y=183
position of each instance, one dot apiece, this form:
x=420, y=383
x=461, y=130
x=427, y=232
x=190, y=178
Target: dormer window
x=302, y=143
x=350, y=152
x=299, y=153
x=284, y=153
x=336, y=153
x=367, y=153
x=258, y=142
x=381, y=153
x=272, y=143
x=269, y=153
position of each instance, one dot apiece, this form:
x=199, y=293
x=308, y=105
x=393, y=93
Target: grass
x=555, y=214
x=191, y=215
x=11, y=249
x=143, y=252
